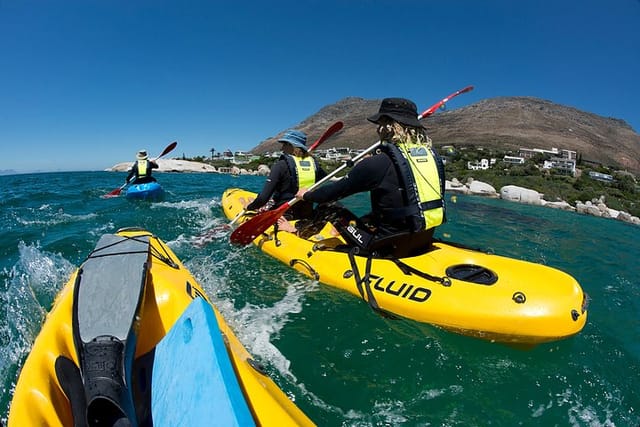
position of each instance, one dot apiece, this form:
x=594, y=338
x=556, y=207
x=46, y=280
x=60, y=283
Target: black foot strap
x=408, y=270
x=364, y=284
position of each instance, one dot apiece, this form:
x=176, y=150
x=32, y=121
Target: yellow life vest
x=304, y=168
x=422, y=176
x=142, y=168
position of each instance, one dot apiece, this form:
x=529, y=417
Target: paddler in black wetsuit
x=405, y=178
x=141, y=169
x=295, y=169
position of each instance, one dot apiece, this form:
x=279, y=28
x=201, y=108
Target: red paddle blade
x=327, y=133
x=169, y=148
x=248, y=231
x=114, y=193
x=429, y=111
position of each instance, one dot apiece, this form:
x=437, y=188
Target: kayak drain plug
x=519, y=298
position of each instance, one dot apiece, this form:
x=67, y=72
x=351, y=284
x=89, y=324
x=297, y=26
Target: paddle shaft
x=338, y=170
x=249, y=230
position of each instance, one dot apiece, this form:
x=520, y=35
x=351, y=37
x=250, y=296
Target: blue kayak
x=146, y=191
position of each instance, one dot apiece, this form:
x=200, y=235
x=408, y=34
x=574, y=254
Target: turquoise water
x=343, y=364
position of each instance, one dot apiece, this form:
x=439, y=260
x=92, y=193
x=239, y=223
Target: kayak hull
x=145, y=191
x=459, y=289
x=166, y=310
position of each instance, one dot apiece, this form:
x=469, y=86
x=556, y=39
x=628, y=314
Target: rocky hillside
x=506, y=123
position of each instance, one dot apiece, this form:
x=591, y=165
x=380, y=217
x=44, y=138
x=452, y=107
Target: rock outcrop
x=169, y=165
x=513, y=193
x=187, y=166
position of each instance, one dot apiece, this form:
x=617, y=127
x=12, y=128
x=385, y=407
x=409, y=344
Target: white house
x=483, y=164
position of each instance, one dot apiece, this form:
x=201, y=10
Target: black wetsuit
x=283, y=187
x=378, y=175
x=142, y=179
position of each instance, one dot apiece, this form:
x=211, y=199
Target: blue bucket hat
x=295, y=138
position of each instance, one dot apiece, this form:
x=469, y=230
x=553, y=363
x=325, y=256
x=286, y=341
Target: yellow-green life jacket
x=422, y=175
x=303, y=169
x=142, y=168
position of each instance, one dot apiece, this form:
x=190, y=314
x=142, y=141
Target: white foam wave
x=31, y=286
x=49, y=217
x=203, y=206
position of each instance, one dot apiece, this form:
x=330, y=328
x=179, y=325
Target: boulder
x=263, y=170
x=169, y=165
x=519, y=194
x=562, y=205
x=455, y=186
x=588, y=208
x=482, y=189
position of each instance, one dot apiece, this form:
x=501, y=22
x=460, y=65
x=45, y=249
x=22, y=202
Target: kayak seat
x=401, y=245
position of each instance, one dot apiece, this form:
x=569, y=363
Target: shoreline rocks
x=513, y=193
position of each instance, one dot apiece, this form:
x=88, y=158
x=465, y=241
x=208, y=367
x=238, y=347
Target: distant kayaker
x=405, y=178
x=141, y=169
x=295, y=169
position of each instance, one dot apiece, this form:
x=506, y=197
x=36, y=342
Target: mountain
x=505, y=123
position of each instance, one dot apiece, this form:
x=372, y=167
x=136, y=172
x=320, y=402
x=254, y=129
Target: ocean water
x=341, y=363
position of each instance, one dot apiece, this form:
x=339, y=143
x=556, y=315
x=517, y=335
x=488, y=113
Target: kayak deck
x=145, y=191
x=166, y=311
x=459, y=289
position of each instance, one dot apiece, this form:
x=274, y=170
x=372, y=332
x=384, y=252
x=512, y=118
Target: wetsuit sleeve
x=365, y=176
x=276, y=175
x=153, y=165
x=132, y=172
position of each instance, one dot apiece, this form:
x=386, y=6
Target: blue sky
x=84, y=84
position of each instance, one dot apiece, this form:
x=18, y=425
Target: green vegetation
x=623, y=193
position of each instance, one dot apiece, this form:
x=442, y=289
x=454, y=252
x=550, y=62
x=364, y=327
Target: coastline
x=512, y=193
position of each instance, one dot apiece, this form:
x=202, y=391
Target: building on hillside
x=528, y=153
x=483, y=164
x=564, y=161
x=601, y=176
x=562, y=165
x=337, y=154
x=569, y=154
x=514, y=160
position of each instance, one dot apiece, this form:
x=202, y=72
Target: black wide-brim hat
x=399, y=109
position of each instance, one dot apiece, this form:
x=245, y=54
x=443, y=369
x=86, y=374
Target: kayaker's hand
x=300, y=193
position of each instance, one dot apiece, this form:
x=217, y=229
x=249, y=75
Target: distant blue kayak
x=146, y=191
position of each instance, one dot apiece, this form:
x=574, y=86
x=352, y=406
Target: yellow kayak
x=132, y=339
x=459, y=289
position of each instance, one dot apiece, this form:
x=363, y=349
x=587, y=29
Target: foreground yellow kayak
x=133, y=340
x=461, y=290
